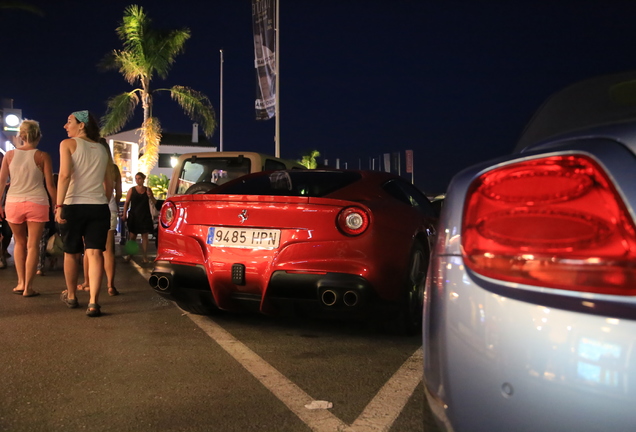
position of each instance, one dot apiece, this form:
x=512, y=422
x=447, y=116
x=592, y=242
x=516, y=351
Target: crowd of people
x=80, y=203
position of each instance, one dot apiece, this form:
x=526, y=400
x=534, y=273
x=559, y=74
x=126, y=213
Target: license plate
x=251, y=238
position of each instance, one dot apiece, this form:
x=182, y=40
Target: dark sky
x=455, y=81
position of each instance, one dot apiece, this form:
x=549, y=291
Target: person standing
x=139, y=219
x=84, y=188
x=49, y=230
x=109, y=253
x=27, y=202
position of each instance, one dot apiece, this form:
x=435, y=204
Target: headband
x=81, y=116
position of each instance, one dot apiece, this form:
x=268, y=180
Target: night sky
x=455, y=81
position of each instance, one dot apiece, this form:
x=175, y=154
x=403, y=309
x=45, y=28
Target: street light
x=11, y=119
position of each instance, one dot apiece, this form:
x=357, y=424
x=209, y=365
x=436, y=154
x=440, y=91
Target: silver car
x=530, y=308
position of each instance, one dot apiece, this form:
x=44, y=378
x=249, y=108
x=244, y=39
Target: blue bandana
x=81, y=116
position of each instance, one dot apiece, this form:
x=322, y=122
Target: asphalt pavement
x=140, y=366
x=145, y=365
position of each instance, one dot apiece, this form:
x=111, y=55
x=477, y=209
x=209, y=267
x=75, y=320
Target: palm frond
x=132, y=28
x=153, y=51
x=163, y=47
x=130, y=67
x=119, y=111
x=197, y=106
x=22, y=6
x=108, y=62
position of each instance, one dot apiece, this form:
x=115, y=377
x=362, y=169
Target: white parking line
x=286, y=391
x=385, y=407
x=377, y=416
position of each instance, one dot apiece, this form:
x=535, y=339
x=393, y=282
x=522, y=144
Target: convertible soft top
x=586, y=105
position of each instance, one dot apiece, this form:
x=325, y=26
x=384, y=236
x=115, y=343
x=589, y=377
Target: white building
x=125, y=148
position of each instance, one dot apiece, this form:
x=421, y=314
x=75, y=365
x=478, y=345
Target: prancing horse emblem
x=243, y=216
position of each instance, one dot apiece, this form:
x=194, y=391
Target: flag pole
x=277, y=94
x=221, y=105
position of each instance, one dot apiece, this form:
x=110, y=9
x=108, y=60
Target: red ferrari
x=341, y=241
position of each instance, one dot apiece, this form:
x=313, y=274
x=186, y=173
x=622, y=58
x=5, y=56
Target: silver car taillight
x=554, y=222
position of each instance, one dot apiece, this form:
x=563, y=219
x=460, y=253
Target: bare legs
x=144, y=244
x=109, y=263
x=84, y=286
x=71, y=272
x=95, y=266
x=109, y=266
x=95, y=272
x=144, y=247
x=26, y=254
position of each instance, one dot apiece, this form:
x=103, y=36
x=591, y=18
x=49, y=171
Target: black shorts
x=86, y=224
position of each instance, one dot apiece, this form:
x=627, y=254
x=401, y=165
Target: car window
x=409, y=194
x=272, y=165
x=292, y=183
x=211, y=170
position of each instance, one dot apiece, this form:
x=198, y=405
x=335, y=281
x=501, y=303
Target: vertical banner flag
x=409, y=161
x=263, y=12
x=387, y=162
x=396, y=164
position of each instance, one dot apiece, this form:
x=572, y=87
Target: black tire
x=196, y=308
x=200, y=188
x=412, y=303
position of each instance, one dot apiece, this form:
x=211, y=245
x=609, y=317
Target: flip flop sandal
x=71, y=303
x=18, y=292
x=112, y=291
x=93, y=310
x=33, y=294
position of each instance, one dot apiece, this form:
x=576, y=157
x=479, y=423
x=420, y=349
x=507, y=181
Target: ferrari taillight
x=353, y=220
x=168, y=214
x=554, y=222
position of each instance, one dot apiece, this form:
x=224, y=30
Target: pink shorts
x=20, y=212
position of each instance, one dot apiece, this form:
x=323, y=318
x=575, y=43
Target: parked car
x=352, y=242
x=203, y=171
x=200, y=172
x=530, y=310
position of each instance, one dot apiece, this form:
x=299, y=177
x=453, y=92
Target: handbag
x=55, y=245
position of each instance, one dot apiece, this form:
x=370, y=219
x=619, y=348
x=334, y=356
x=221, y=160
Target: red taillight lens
x=168, y=214
x=553, y=222
x=353, y=220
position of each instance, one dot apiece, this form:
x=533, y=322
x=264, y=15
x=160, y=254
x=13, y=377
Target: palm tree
x=309, y=159
x=148, y=52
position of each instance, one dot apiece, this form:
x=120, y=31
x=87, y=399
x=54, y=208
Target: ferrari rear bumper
x=337, y=292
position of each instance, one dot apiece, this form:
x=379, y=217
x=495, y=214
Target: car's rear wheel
x=412, y=303
x=200, y=188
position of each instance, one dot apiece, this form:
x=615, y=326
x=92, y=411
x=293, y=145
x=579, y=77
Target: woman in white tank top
x=82, y=212
x=27, y=205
